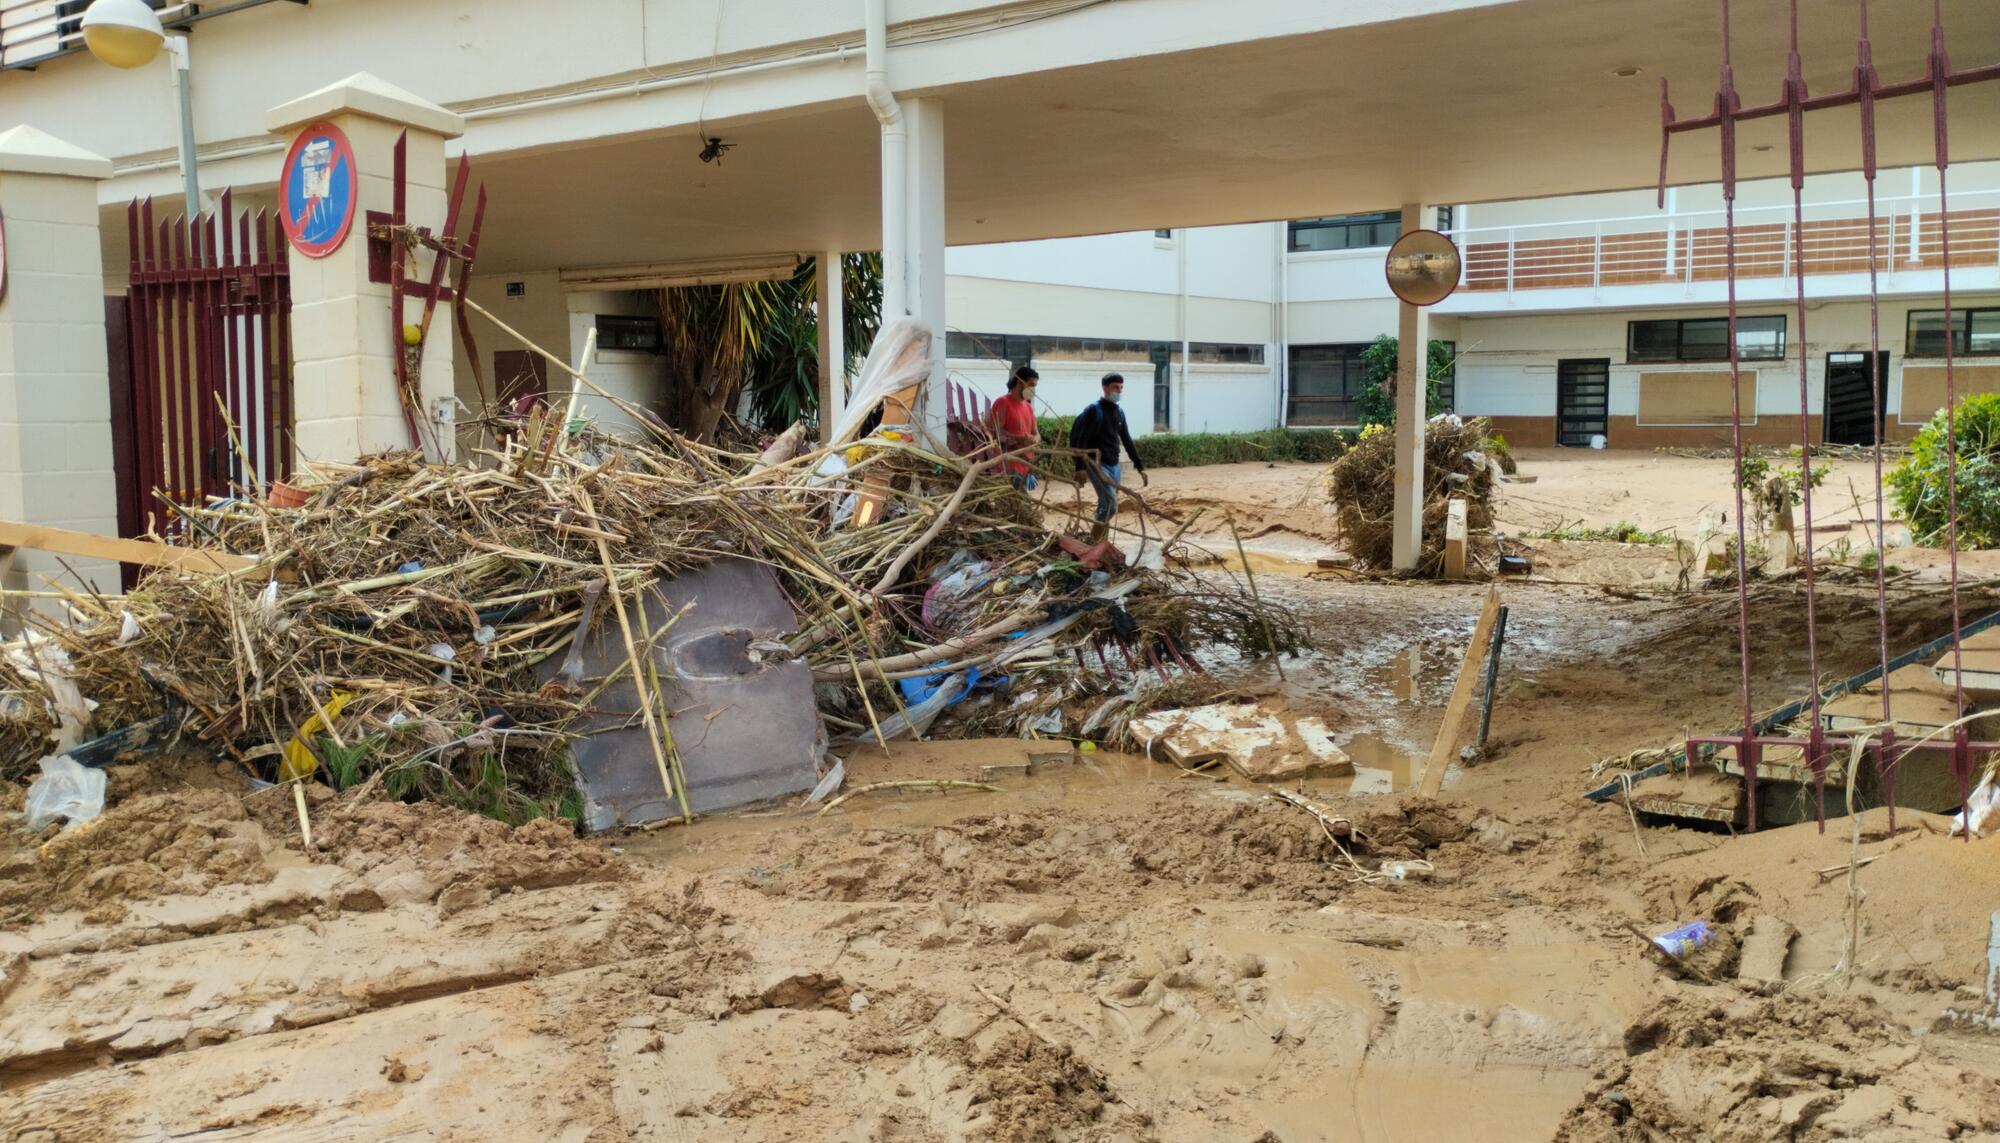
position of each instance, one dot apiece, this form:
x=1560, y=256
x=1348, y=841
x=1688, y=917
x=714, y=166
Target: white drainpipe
x=895, y=161
x=1282, y=367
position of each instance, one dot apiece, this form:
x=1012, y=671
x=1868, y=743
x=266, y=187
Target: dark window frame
x=629, y=333
x=1681, y=352
x=1963, y=321
x=1365, y=231
x=1341, y=410
x=1447, y=385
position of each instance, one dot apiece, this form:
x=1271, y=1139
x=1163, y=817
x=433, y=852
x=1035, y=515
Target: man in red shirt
x=1012, y=423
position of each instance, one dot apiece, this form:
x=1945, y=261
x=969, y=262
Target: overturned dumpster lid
x=744, y=721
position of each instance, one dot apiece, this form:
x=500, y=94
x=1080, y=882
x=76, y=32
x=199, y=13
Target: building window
x=1163, y=234
x=1326, y=384
x=640, y=334
x=1218, y=353
x=1012, y=348
x=1704, y=339
x=1019, y=350
x=1447, y=382
x=1347, y=231
x=1974, y=333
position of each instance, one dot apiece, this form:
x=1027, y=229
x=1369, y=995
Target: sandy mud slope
x=1105, y=948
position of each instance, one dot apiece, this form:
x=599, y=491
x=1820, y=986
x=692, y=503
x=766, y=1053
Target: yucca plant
x=761, y=338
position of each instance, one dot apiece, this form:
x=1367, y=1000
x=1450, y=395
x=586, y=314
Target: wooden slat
x=1453, y=726
x=93, y=546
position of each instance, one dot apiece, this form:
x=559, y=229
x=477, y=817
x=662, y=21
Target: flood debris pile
x=1461, y=460
x=425, y=622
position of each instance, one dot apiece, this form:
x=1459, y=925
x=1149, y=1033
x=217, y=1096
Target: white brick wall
x=55, y=410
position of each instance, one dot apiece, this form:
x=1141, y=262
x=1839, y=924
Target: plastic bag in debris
x=65, y=790
x=42, y=659
x=1982, y=810
x=916, y=718
x=899, y=358
x=918, y=690
x=957, y=578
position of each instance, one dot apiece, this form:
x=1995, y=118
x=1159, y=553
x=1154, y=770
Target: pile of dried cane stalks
x=396, y=621
x=1458, y=461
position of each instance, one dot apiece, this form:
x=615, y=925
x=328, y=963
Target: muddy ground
x=1105, y=949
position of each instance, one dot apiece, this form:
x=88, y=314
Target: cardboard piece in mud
x=744, y=720
x=1977, y=664
x=1259, y=744
x=1918, y=701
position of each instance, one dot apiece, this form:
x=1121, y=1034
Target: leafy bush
x=1378, y=404
x=1186, y=450
x=1918, y=481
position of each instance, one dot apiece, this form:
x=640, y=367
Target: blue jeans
x=1107, y=496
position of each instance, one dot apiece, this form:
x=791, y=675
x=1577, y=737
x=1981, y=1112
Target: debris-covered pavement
x=1009, y=928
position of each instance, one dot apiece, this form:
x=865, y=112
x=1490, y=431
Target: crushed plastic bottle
x=1684, y=940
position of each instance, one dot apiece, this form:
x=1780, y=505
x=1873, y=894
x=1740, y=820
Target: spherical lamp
x=123, y=33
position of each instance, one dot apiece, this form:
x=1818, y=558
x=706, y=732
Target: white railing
x=1691, y=246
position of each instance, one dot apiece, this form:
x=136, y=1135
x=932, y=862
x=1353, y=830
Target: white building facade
x=1582, y=316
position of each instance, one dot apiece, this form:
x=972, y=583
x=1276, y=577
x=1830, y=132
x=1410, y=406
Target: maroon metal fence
x=208, y=331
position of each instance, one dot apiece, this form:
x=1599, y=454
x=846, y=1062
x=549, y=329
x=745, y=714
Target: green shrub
x=1918, y=481
x=1186, y=450
x=1378, y=405
x=1623, y=532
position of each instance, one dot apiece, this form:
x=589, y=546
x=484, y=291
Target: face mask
x=1114, y=398
x=1028, y=393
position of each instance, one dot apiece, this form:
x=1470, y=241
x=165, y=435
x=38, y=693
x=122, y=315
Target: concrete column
x=832, y=341
x=1413, y=339
x=923, y=248
x=55, y=392
x=343, y=342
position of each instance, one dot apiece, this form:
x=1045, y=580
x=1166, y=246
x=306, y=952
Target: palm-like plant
x=720, y=339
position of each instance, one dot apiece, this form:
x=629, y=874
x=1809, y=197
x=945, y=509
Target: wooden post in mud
x=1454, y=539
x=1455, y=711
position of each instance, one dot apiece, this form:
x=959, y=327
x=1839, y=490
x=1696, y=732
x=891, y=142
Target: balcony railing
x=1689, y=247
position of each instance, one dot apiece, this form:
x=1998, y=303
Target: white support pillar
x=832, y=341
x=55, y=390
x=343, y=341
x=923, y=247
x=1413, y=339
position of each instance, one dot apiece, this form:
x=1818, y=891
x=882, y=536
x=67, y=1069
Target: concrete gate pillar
x=924, y=245
x=55, y=392
x=344, y=346
x=1413, y=344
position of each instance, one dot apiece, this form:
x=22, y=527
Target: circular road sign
x=1423, y=267
x=317, y=190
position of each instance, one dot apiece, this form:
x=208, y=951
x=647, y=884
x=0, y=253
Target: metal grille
x=1794, y=102
x=209, y=320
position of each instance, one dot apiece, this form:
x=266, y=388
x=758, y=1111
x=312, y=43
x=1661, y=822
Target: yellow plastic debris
x=299, y=762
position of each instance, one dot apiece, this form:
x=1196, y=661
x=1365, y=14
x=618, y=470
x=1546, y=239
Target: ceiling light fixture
x=1626, y=72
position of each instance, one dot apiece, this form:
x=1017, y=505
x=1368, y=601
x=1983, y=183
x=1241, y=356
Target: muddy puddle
x=1385, y=767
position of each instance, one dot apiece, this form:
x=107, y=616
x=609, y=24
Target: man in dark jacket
x=1101, y=429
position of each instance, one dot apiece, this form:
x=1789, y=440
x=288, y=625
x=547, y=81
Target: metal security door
x=1854, y=413
x=1583, y=400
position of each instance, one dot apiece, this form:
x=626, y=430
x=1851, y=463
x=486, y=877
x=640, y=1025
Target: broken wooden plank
x=146, y=552
x=1453, y=726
